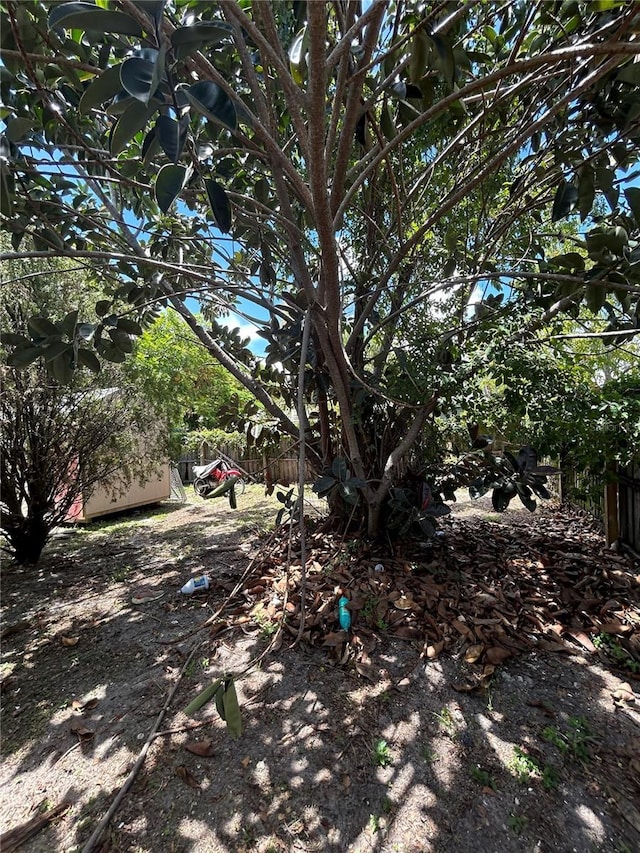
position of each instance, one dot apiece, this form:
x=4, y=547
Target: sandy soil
x=340, y=751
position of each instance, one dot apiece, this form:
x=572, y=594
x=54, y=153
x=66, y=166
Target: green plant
x=381, y=624
x=575, y=740
x=121, y=574
x=374, y=824
x=428, y=754
x=525, y=767
x=382, y=754
x=482, y=777
x=517, y=823
x=447, y=723
x=613, y=648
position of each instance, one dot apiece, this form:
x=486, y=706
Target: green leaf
x=595, y=296
x=565, y=200
x=202, y=698
x=12, y=339
x=169, y=184
x=102, y=89
x=232, y=710
x=632, y=195
x=220, y=703
x=340, y=469
x=137, y=77
x=56, y=349
x=61, y=368
x=121, y=340
x=7, y=189
x=41, y=327
x=132, y=121
x=186, y=40
x=211, y=101
x=18, y=129
x=297, y=56
x=586, y=191
x=444, y=59
x=24, y=357
x=88, y=359
x=110, y=352
x=220, y=205
x=90, y=18
x=419, y=53
x=171, y=136
x=129, y=326
x=102, y=306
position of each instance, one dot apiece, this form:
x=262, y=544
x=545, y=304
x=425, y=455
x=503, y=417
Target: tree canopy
x=389, y=182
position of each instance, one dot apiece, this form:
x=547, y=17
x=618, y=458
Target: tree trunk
x=27, y=537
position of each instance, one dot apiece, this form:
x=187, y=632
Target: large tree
x=379, y=168
x=60, y=441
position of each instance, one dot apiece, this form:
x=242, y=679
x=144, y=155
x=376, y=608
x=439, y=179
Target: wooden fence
x=279, y=466
x=612, y=498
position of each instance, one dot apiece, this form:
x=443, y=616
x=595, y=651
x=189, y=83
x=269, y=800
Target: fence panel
x=629, y=505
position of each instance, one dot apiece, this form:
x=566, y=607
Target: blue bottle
x=344, y=615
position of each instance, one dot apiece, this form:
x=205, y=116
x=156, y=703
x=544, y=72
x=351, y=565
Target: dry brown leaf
x=583, y=639
x=434, y=650
x=474, y=653
x=246, y=761
x=403, y=603
x=497, y=655
x=615, y=628
x=203, y=748
x=187, y=776
x=70, y=641
x=366, y=670
x=78, y=727
x=624, y=693
x=468, y=686
x=335, y=638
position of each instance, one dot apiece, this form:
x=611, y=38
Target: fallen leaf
x=70, y=641
x=624, y=693
x=497, y=655
x=474, y=653
x=78, y=727
x=187, y=776
x=366, y=670
x=434, y=650
x=246, y=761
x=615, y=628
x=404, y=603
x=583, y=639
x=204, y=748
x=335, y=638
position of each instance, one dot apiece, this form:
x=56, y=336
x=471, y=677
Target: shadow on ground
x=400, y=759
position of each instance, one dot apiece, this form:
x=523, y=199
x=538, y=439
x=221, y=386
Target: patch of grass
x=447, y=723
x=482, y=777
x=612, y=647
x=382, y=753
x=527, y=768
x=121, y=574
x=517, y=823
x=573, y=741
x=428, y=755
x=262, y=620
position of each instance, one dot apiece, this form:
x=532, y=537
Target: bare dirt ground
x=486, y=699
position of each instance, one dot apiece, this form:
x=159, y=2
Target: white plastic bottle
x=195, y=584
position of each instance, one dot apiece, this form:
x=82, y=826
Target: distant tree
x=59, y=441
x=179, y=377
